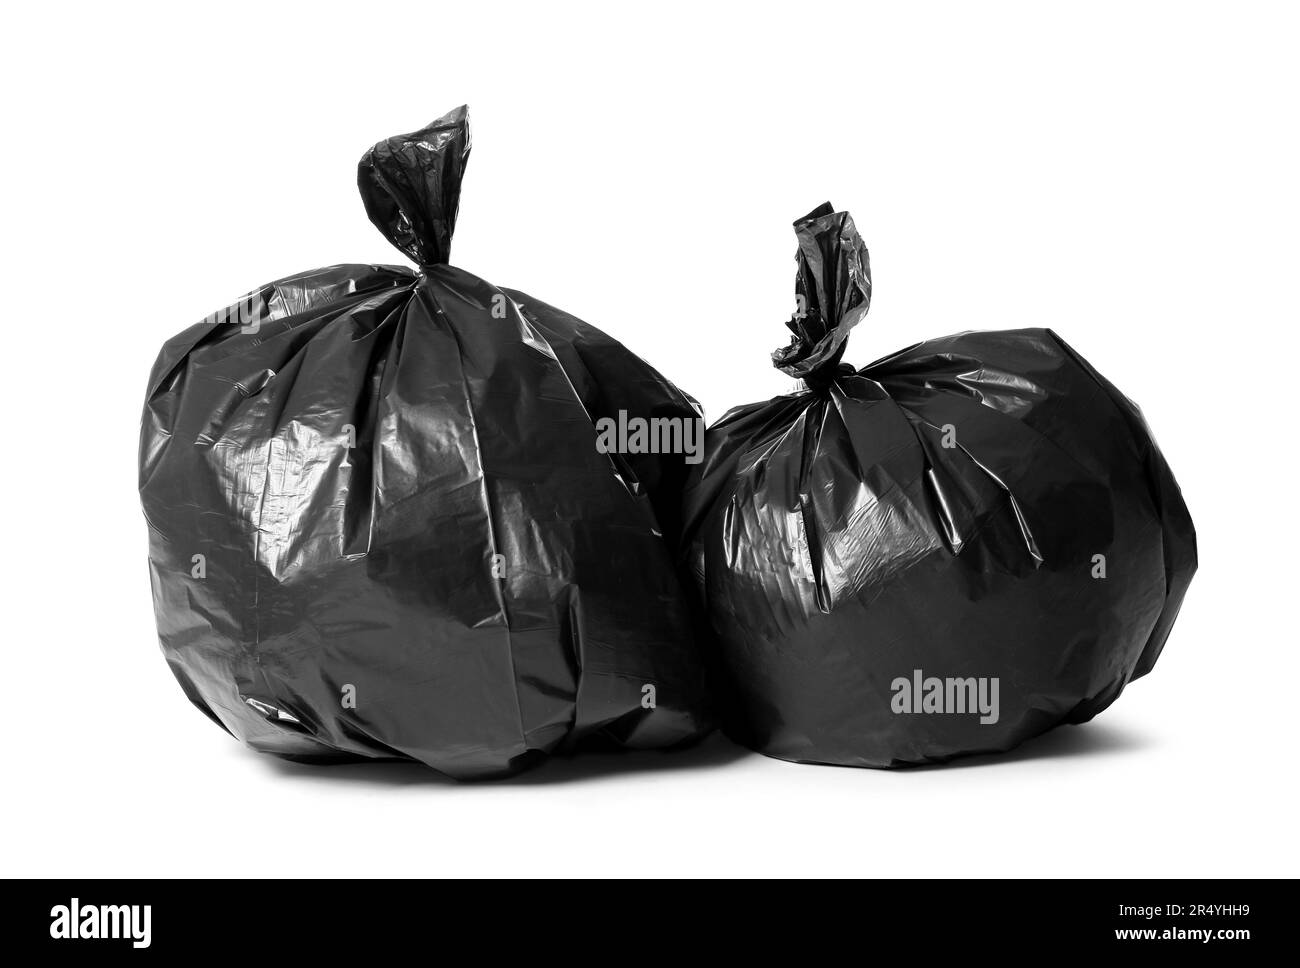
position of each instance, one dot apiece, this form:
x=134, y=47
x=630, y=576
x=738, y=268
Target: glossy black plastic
x=379, y=522
x=980, y=520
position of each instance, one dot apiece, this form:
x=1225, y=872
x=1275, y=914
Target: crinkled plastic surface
x=977, y=522
x=379, y=522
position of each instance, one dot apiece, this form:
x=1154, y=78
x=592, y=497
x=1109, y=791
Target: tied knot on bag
x=833, y=293
x=411, y=186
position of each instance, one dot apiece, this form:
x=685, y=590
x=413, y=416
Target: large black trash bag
x=379, y=522
x=949, y=551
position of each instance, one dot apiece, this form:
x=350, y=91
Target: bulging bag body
x=951, y=550
x=380, y=525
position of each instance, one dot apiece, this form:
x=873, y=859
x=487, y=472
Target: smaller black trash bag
x=380, y=523
x=949, y=551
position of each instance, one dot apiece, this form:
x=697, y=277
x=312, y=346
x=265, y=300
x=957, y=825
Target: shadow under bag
x=379, y=522
x=949, y=551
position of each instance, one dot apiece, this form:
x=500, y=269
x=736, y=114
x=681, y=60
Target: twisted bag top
x=952, y=549
x=380, y=525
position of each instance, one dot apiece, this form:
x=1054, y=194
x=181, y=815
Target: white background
x=1125, y=173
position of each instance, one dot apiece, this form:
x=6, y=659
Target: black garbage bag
x=380, y=524
x=951, y=550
